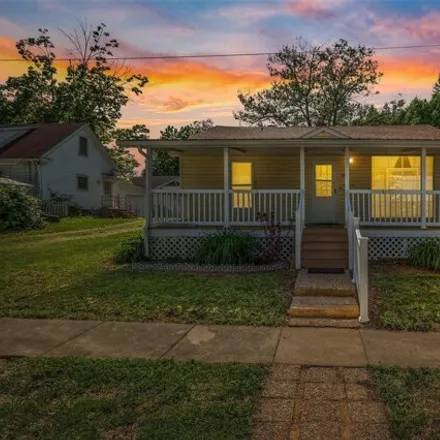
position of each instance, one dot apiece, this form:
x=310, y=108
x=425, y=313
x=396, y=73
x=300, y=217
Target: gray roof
x=157, y=181
x=363, y=132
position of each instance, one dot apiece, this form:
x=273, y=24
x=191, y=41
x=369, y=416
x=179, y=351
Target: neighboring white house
x=63, y=160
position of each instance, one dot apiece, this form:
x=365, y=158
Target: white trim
x=148, y=207
x=226, y=180
x=198, y=232
x=404, y=233
x=317, y=131
x=347, y=180
x=423, y=187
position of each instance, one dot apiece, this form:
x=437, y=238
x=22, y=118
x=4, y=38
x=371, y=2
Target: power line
x=218, y=55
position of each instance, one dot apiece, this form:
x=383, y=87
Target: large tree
x=312, y=85
x=163, y=163
x=94, y=89
x=122, y=157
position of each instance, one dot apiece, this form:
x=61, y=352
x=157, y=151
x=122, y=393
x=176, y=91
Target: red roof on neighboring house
x=32, y=141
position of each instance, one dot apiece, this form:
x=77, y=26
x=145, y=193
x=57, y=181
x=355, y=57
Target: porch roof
x=295, y=137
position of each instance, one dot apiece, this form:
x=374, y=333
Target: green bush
x=130, y=250
x=18, y=209
x=228, y=247
x=425, y=254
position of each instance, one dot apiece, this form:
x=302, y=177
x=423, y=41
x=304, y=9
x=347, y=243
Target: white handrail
x=358, y=260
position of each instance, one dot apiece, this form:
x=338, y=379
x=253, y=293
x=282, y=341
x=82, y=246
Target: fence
x=55, y=207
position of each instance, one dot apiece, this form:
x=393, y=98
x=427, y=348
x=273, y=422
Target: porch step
x=332, y=285
x=323, y=322
x=324, y=307
x=325, y=246
x=318, y=263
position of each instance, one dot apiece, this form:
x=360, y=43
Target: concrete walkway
x=212, y=343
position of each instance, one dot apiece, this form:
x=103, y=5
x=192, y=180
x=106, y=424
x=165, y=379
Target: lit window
x=242, y=183
x=83, y=147
x=323, y=180
x=82, y=182
x=399, y=173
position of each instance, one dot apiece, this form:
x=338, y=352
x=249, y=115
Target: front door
x=324, y=193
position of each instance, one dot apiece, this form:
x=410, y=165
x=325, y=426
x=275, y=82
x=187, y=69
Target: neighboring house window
x=241, y=181
x=83, y=147
x=82, y=182
x=107, y=188
x=399, y=173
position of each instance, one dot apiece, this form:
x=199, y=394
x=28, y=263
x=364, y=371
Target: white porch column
x=347, y=183
x=148, y=201
x=302, y=182
x=226, y=185
x=423, y=187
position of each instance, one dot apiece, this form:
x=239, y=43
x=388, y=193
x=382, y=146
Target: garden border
x=146, y=266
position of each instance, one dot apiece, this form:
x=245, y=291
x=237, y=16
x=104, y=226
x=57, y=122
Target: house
x=62, y=160
x=384, y=178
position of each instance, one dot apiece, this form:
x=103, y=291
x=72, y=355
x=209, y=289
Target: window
x=323, y=180
x=82, y=182
x=399, y=173
x=242, y=181
x=107, y=188
x=83, y=147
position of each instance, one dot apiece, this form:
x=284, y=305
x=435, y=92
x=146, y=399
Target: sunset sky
x=181, y=91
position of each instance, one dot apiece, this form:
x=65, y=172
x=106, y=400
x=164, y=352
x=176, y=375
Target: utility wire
x=218, y=55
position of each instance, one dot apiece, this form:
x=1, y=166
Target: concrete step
x=324, y=264
x=323, y=322
x=323, y=307
x=325, y=246
x=314, y=284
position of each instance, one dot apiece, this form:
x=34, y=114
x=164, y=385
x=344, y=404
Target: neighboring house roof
x=157, y=181
x=7, y=181
x=363, y=132
x=32, y=141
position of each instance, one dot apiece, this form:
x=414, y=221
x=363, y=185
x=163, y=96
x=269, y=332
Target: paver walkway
x=320, y=403
x=213, y=343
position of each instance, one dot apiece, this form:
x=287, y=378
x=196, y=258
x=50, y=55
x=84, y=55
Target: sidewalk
x=212, y=343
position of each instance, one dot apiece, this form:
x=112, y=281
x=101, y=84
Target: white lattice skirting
x=382, y=248
x=185, y=248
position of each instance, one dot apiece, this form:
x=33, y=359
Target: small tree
x=312, y=85
x=18, y=209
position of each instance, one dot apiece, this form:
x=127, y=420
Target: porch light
x=351, y=160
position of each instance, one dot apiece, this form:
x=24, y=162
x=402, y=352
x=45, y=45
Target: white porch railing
x=396, y=207
x=245, y=206
x=299, y=227
x=358, y=260
x=207, y=207
x=60, y=208
x=188, y=206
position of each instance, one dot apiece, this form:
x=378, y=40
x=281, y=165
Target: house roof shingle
x=32, y=141
x=363, y=132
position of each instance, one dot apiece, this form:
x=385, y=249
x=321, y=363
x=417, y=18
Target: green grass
x=126, y=399
x=75, y=278
x=407, y=299
x=413, y=397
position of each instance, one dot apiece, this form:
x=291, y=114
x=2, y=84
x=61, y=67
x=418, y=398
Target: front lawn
x=404, y=298
x=126, y=399
x=413, y=397
x=74, y=277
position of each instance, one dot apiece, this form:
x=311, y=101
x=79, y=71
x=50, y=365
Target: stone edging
x=190, y=267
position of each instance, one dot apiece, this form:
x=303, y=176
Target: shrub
x=130, y=250
x=18, y=209
x=425, y=254
x=228, y=247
